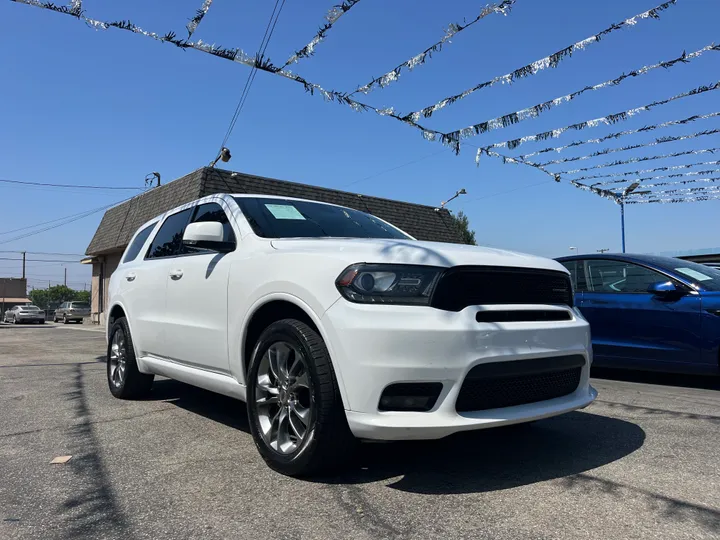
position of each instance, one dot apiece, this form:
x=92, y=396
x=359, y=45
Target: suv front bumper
x=373, y=346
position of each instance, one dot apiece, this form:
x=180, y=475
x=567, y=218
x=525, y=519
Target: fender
x=138, y=359
x=237, y=345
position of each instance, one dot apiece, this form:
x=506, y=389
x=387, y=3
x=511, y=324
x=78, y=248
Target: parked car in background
x=24, y=314
x=72, y=311
x=649, y=312
x=333, y=325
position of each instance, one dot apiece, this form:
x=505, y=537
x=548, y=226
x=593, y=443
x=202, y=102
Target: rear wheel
x=65, y=319
x=294, y=407
x=124, y=378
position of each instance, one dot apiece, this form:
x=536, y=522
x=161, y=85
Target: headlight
x=388, y=284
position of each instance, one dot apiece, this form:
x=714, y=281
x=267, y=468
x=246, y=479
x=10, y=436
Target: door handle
x=176, y=274
x=131, y=276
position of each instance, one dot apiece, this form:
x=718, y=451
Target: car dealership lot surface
x=642, y=462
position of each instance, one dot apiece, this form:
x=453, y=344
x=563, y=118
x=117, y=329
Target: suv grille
x=464, y=286
x=506, y=384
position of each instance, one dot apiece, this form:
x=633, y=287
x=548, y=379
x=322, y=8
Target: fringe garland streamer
x=199, y=14
x=640, y=159
x=665, y=192
x=536, y=110
x=615, y=135
x=331, y=17
x=684, y=182
x=644, y=171
x=550, y=61
x=607, y=120
x=670, y=200
x=659, y=177
x=606, y=151
x=391, y=76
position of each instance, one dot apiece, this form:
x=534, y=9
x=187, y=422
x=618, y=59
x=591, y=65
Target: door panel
x=142, y=288
x=633, y=328
x=196, y=329
x=196, y=325
x=144, y=283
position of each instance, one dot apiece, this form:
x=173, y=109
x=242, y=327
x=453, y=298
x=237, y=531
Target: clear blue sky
x=108, y=107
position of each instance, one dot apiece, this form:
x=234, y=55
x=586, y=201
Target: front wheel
x=124, y=378
x=295, y=411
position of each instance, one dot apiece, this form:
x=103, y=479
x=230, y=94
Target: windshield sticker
x=284, y=211
x=693, y=274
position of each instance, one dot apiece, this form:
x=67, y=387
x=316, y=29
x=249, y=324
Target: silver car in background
x=72, y=311
x=24, y=314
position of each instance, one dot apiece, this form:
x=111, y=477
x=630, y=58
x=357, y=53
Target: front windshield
x=286, y=218
x=703, y=276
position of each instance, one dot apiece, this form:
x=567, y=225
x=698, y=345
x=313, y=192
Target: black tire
x=65, y=319
x=15, y=321
x=131, y=384
x=328, y=444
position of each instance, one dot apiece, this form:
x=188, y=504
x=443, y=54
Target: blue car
x=647, y=312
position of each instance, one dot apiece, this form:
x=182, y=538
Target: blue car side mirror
x=663, y=288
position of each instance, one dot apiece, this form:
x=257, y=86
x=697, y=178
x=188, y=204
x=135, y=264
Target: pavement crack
x=356, y=506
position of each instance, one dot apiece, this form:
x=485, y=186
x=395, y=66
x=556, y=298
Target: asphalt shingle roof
x=120, y=222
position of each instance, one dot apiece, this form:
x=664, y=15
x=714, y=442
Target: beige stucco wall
x=103, y=269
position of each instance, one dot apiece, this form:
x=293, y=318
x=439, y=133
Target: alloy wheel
x=117, y=358
x=284, y=399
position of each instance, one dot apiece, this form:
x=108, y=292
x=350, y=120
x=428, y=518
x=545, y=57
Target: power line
x=39, y=260
x=253, y=71
x=43, y=252
x=80, y=186
x=394, y=168
x=67, y=221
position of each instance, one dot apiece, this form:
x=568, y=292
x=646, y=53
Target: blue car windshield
x=702, y=276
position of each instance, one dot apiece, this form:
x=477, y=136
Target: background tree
x=463, y=224
x=57, y=294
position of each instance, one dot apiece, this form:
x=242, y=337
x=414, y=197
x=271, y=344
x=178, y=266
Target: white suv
x=334, y=326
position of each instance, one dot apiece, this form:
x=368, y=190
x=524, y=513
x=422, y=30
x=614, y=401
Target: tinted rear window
x=81, y=305
x=285, y=218
x=138, y=242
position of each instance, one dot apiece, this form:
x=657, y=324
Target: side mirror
x=664, y=289
x=207, y=235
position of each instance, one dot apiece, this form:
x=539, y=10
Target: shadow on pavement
x=707, y=382
x=475, y=461
x=216, y=407
x=500, y=458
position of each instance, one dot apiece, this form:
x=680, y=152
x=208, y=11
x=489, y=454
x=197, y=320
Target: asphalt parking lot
x=642, y=462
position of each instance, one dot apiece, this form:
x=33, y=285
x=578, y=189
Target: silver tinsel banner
x=659, y=177
x=391, y=76
x=641, y=159
x=615, y=135
x=199, y=14
x=702, y=190
x=550, y=61
x=646, y=171
x=536, y=110
x=671, y=200
x=607, y=120
x=606, y=151
x=683, y=182
x=331, y=17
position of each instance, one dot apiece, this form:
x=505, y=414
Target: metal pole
x=622, y=221
x=66, y=267
x=23, y=254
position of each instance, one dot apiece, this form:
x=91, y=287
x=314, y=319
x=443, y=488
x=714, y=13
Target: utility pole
x=23, y=275
x=65, y=276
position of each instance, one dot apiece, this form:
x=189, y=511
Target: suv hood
x=379, y=250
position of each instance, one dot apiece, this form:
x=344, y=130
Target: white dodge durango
x=333, y=326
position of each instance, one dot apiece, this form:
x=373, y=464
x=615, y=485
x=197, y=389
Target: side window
x=211, y=212
x=134, y=248
x=168, y=240
x=620, y=277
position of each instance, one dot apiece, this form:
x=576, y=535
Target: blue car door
x=633, y=328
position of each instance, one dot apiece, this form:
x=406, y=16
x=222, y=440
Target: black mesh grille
x=464, y=286
x=506, y=384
